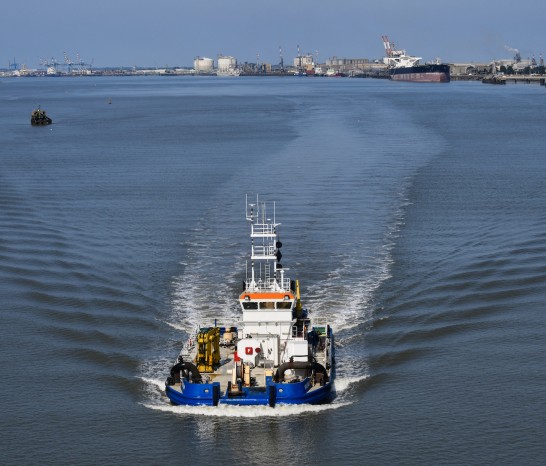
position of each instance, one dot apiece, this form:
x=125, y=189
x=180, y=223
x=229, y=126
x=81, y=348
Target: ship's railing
x=267, y=250
x=189, y=344
x=188, y=348
x=299, y=333
x=269, y=284
x=263, y=229
x=320, y=322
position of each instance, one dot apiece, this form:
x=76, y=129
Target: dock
x=514, y=79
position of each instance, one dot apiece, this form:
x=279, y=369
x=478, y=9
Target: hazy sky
x=173, y=32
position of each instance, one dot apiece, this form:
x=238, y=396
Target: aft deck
x=224, y=373
x=254, y=380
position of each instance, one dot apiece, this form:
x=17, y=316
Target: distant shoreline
x=484, y=78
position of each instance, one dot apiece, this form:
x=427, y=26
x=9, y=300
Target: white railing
x=268, y=250
x=299, y=335
x=269, y=284
x=189, y=344
x=263, y=229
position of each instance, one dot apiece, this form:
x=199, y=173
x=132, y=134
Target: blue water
x=412, y=214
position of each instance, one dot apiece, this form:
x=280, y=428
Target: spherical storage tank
x=227, y=63
x=203, y=64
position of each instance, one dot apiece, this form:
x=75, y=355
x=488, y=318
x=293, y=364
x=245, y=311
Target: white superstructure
x=268, y=301
x=397, y=58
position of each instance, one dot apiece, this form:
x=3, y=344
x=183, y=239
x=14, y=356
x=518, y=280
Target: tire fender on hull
x=189, y=372
x=309, y=366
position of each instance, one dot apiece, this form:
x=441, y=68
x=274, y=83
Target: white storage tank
x=203, y=64
x=226, y=63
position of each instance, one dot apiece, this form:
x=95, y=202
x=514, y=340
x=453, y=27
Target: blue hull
x=208, y=394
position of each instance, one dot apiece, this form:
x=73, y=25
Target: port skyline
x=171, y=33
x=299, y=62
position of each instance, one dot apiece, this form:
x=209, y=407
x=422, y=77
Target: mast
x=266, y=272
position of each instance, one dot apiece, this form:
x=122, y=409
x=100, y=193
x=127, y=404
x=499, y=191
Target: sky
x=159, y=33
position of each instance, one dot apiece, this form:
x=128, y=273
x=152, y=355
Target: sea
x=413, y=215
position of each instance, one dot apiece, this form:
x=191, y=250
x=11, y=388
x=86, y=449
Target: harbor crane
x=68, y=63
x=81, y=64
x=300, y=60
x=387, y=45
x=53, y=65
x=50, y=64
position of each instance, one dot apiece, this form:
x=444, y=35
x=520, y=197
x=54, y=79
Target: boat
x=275, y=354
x=404, y=67
x=332, y=73
x=319, y=71
x=39, y=118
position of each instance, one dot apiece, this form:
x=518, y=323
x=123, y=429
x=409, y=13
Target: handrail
x=269, y=284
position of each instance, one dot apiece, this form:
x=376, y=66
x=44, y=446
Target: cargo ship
x=404, y=67
x=276, y=354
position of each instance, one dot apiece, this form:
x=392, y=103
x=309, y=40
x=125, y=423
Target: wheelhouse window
x=284, y=305
x=267, y=305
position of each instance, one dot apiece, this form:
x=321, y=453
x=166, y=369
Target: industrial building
x=203, y=65
x=226, y=63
